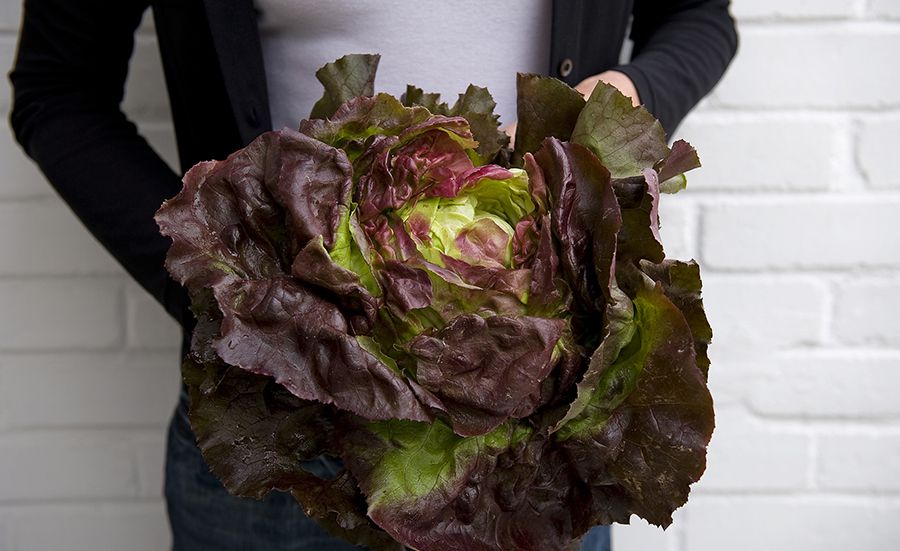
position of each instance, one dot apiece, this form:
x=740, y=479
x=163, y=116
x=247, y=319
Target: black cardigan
x=72, y=62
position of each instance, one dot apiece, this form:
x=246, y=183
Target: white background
x=795, y=219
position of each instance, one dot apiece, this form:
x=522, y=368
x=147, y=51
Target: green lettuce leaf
x=476, y=106
x=625, y=138
x=349, y=77
x=640, y=441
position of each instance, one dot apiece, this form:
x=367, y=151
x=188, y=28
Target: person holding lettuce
x=236, y=69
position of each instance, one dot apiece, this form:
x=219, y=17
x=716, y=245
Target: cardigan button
x=565, y=68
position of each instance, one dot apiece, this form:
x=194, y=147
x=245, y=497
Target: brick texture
x=131, y=526
x=767, y=148
x=749, y=10
x=89, y=389
x=886, y=9
x=799, y=233
x=859, y=462
x=750, y=315
x=47, y=314
x=149, y=326
x=840, y=385
x=66, y=466
x=867, y=311
x=45, y=238
x=815, y=67
x=746, y=454
x=787, y=524
x=876, y=152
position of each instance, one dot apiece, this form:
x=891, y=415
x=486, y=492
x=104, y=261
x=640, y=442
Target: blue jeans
x=205, y=517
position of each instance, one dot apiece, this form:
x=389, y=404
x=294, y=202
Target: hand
x=586, y=86
x=615, y=78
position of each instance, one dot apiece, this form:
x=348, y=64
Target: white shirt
x=437, y=45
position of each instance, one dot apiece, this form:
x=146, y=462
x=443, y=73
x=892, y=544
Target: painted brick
x=754, y=153
x=149, y=326
x=677, y=225
x=45, y=238
x=747, y=455
x=750, y=315
x=731, y=376
x=867, y=312
x=10, y=16
x=848, y=385
x=7, y=56
x=888, y=9
x=65, y=313
x=151, y=456
x=123, y=526
x=145, y=95
x=792, y=524
x=796, y=9
x=845, y=232
x=50, y=466
x=21, y=178
x=814, y=68
x=877, y=152
x=859, y=462
x=85, y=389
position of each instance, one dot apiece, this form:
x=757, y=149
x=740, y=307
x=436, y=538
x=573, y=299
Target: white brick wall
x=88, y=362
x=794, y=219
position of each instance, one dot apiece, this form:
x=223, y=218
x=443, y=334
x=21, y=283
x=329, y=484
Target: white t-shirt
x=437, y=45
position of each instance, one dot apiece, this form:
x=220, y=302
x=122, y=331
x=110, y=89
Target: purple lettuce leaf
x=545, y=107
x=362, y=119
x=239, y=417
x=314, y=266
x=682, y=158
x=405, y=287
x=339, y=507
x=638, y=200
x=476, y=105
x=641, y=440
x=277, y=327
x=247, y=216
x=585, y=219
x=548, y=294
x=681, y=283
x=482, y=369
x=427, y=159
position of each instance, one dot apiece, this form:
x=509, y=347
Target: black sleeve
x=681, y=50
x=68, y=82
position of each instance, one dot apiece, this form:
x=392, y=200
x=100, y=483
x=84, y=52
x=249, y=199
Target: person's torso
x=436, y=45
x=217, y=83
